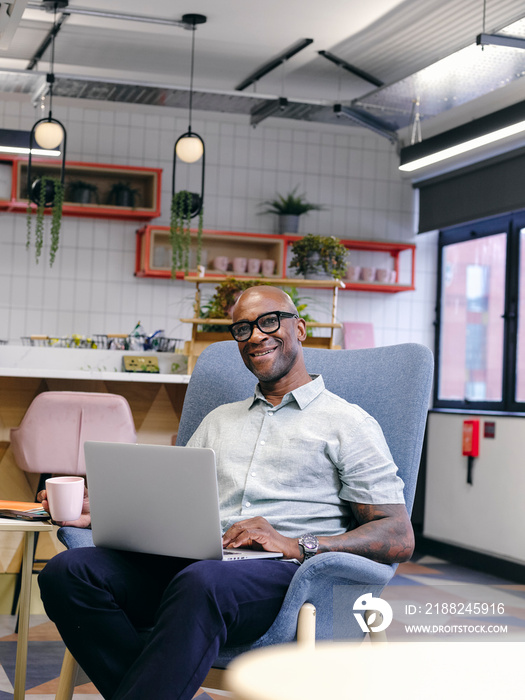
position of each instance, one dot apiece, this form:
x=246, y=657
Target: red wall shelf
x=146, y=181
x=153, y=254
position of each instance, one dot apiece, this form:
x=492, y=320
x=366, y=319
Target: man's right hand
x=85, y=518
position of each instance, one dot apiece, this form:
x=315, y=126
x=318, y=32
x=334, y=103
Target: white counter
x=77, y=363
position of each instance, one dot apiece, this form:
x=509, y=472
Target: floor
x=431, y=599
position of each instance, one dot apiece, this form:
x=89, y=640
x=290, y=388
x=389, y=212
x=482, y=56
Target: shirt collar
x=303, y=395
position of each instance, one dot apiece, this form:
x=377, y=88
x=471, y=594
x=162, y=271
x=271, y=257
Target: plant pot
x=49, y=192
x=288, y=223
x=81, y=195
x=122, y=197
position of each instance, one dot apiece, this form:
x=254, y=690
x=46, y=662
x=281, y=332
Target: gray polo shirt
x=298, y=464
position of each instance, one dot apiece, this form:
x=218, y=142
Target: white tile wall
x=92, y=289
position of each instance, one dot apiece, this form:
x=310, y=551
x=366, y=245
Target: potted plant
x=289, y=208
x=82, y=192
x=184, y=205
x=315, y=256
x=46, y=192
x=122, y=194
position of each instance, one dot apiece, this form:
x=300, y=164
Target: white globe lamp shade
x=49, y=135
x=189, y=149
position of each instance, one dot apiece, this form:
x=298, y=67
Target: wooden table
x=29, y=529
x=394, y=670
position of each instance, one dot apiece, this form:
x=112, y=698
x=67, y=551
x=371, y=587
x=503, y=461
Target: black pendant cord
x=191, y=74
x=51, y=74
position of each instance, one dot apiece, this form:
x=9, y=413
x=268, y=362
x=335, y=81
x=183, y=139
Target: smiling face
x=275, y=356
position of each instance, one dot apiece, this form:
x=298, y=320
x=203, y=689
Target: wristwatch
x=309, y=544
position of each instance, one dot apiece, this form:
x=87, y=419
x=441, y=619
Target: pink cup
x=254, y=266
x=65, y=495
x=368, y=274
x=221, y=263
x=239, y=265
x=352, y=273
x=382, y=275
x=268, y=266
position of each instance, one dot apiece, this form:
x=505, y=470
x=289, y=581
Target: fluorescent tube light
x=17, y=142
x=25, y=151
x=464, y=139
x=463, y=147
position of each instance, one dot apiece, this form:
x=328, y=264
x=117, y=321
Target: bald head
x=264, y=294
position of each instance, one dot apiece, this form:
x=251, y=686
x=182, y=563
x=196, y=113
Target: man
x=300, y=471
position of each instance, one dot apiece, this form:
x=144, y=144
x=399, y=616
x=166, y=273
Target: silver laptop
x=159, y=500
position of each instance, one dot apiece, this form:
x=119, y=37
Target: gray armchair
x=391, y=383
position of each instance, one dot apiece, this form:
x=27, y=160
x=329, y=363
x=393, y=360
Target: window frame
x=510, y=224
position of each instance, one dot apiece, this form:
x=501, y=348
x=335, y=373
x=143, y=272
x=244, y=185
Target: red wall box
x=146, y=182
x=153, y=254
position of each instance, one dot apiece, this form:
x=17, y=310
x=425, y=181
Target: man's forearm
x=388, y=538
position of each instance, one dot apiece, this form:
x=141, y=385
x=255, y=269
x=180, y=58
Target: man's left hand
x=257, y=533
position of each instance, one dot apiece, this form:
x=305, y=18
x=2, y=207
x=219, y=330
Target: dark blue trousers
x=99, y=599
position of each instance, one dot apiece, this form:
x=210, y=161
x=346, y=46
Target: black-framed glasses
x=266, y=323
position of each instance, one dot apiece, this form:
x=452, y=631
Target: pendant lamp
x=48, y=133
x=189, y=147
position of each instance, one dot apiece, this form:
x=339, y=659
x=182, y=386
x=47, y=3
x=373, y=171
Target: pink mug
x=221, y=263
x=239, y=265
x=382, y=275
x=352, y=273
x=254, y=266
x=368, y=274
x=268, y=266
x=66, y=497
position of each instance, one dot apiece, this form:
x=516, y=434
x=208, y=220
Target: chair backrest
x=51, y=436
x=392, y=383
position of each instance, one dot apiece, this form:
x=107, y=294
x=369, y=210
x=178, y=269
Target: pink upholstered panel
x=51, y=437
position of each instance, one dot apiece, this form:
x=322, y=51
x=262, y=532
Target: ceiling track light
x=49, y=133
x=341, y=63
x=367, y=120
x=274, y=63
x=189, y=147
x=268, y=109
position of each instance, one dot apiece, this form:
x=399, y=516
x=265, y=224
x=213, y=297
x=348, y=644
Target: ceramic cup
x=268, y=266
x=392, y=276
x=65, y=495
x=352, y=273
x=221, y=263
x=368, y=274
x=239, y=265
x=382, y=275
x=254, y=266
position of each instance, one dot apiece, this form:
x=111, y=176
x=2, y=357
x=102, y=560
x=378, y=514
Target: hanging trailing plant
x=48, y=192
x=184, y=205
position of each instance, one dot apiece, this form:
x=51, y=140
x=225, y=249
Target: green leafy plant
x=292, y=204
x=300, y=304
x=183, y=204
x=50, y=192
x=225, y=296
x=315, y=254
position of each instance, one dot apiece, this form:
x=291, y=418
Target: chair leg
x=306, y=626
x=68, y=676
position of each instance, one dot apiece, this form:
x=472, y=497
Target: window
x=480, y=339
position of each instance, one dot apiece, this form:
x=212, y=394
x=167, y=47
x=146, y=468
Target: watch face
x=309, y=541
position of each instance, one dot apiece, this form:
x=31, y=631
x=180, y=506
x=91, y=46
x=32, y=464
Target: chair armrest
x=74, y=537
x=332, y=582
